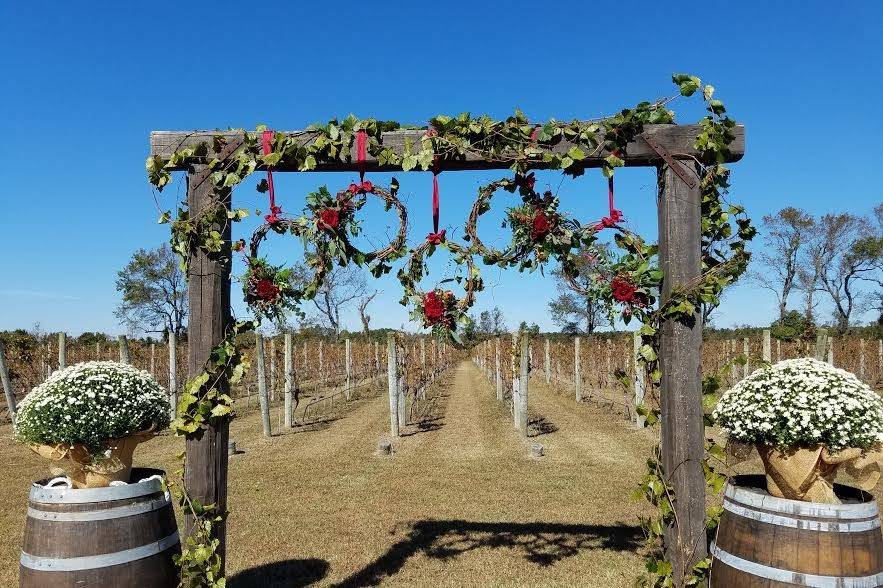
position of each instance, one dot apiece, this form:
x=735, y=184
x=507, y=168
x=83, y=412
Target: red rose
x=273, y=217
x=267, y=290
x=436, y=238
x=353, y=189
x=329, y=218
x=367, y=186
x=433, y=308
x=541, y=226
x=623, y=289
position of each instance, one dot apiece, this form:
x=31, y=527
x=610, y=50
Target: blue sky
x=84, y=83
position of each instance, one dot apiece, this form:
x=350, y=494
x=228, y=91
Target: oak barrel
x=122, y=536
x=768, y=542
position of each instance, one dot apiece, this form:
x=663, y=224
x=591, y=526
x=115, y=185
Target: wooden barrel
x=121, y=536
x=772, y=542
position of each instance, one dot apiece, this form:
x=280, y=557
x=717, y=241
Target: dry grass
x=459, y=503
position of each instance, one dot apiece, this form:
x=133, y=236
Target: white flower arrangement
x=801, y=403
x=89, y=403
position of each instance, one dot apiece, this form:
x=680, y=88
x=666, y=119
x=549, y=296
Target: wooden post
x=377, y=358
x=830, y=350
x=401, y=393
x=273, y=379
x=289, y=380
x=821, y=344
x=640, y=378
x=305, y=358
x=393, y=385
x=348, y=367
x=322, y=361
x=97, y=351
x=861, y=359
x=7, y=385
x=498, y=374
x=683, y=430
x=577, y=373
x=423, y=357
x=778, y=350
x=173, y=372
x=262, y=385
x=153, y=359
x=124, y=349
x=548, y=364
x=205, y=469
x=746, y=351
x=62, y=351
x=520, y=401
x=767, y=347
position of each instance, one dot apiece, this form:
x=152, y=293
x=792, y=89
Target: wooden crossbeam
x=676, y=140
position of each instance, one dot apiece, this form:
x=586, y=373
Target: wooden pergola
x=669, y=148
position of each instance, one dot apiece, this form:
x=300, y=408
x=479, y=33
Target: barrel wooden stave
x=126, y=542
x=820, y=543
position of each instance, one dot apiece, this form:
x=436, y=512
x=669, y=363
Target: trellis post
x=348, y=367
x=209, y=319
x=62, y=351
x=498, y=374
x=401, y=393
x=124, y=349
x=861, y=359
x=520, y=400
x=173, y=372
x=640, y=378
x=577, y=375
x=746, y=351
x=97, y=351
x=821, y=344
x=548, y=363
x=322, y=361
x=830, y=350
x=7, y=385
x=273, y=382
x=289, y=380
x=262, y=386
x=393, y=385
x=683, y=430
x=153, y=359
x=767, y=346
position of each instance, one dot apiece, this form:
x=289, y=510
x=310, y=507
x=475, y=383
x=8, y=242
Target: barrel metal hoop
x=116, y=512
x=748, y=497
x=796, y=523
x=92, y=562
x=87, y=495
x=789, y=577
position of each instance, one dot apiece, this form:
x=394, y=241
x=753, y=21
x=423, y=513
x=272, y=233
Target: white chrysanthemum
x=91, y=402
x=801, y=403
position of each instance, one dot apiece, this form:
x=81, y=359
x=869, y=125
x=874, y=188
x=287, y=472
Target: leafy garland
x=633, y=289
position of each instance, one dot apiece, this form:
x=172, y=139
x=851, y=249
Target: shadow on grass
x=539, y=426
x=294, y=573
x=542, y=543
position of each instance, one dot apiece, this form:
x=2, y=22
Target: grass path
x=459, y=502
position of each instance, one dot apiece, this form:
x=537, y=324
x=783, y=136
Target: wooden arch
x=669, y=148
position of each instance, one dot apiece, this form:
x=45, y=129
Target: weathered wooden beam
x=205, y=467
x=675, y=139
x=683, y=429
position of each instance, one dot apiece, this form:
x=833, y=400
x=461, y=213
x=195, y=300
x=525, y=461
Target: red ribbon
x=436, y=238
x=364, y=186
x=435, y=201
x=267, y=145
x=616, y=216
x=361, y=153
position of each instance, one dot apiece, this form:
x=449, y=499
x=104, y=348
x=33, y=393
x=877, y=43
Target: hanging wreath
x=269, y=290
x=440, y=309
x=539, y=231
x=330, y=222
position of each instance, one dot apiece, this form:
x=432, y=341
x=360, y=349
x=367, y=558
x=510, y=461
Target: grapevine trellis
x=699, y=252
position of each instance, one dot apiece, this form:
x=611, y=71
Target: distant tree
x=532, y=329
x=846, y=252
x=485, y=323
x=341, y=286
x=154, y=291
x=792, y=326
x=89, y=338
x=785, y=234
x=363, y=312
x=576, y=312
x=491, y=322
